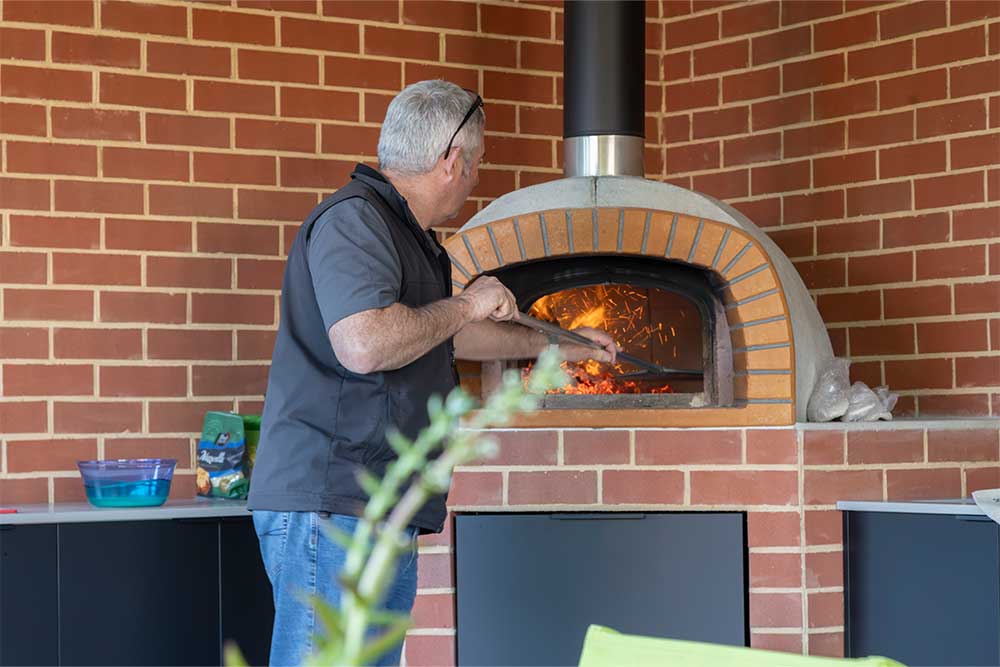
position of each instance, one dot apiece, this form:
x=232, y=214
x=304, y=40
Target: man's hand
x=573, y=352
x=486, y=298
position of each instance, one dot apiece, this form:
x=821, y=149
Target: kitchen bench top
x=963, y=506
x=189, y=508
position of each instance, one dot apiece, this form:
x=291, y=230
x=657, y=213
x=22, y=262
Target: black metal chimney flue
x=604, y=52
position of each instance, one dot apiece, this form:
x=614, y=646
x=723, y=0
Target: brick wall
x=157, y=158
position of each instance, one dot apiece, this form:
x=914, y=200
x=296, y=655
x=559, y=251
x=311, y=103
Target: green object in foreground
x=604, y=647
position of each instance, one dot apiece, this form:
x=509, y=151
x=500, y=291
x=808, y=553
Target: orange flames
x=622, y=311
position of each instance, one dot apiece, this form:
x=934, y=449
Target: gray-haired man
x=369, y=330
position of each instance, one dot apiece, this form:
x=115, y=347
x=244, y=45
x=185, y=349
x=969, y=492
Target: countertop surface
x=191, y=508
x=964, y=506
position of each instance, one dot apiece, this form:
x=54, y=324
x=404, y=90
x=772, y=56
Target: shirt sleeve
x=353, y=261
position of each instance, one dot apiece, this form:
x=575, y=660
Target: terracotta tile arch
x=756, y=309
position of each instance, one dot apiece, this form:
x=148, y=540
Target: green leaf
x=399, y=442
x=369, y=482
x=233, y=656
x=385, y=641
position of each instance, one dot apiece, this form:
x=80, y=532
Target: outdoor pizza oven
x=680, y=279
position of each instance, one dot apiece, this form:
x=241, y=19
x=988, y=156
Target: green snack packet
x=222, y=457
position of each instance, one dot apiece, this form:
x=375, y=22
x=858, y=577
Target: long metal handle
x=555, y=330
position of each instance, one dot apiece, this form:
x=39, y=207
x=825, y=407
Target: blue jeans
x=301, y=560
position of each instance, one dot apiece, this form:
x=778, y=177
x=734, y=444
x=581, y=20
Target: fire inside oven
x=659, y=311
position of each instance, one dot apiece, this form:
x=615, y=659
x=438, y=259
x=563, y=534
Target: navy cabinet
x=923, y=589
x=158, y=592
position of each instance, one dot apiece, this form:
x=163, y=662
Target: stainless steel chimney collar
x=604, y=155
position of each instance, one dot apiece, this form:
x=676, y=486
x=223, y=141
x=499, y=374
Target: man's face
x=468, y=179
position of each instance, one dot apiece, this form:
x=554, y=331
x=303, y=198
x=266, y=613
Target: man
x=369, y=330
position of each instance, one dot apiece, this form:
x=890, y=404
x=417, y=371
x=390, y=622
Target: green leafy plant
x=380, y=538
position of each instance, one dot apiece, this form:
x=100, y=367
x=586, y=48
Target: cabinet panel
x=247, y=602
x=923, y=589
x=140, y=593
x=28, y=596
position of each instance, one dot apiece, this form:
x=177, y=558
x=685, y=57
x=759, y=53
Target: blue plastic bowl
x=127, y=482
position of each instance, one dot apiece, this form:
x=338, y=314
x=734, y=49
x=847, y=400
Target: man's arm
x=487, y=340
x=383, y=339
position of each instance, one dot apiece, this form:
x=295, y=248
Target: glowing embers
x=652, y=324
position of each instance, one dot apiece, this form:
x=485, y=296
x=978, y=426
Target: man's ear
x=451, y=164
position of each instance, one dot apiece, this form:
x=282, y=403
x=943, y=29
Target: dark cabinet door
x=529, y=585
x=28, y=595
x=247, y=602
x=139, y=593
x=923, y=589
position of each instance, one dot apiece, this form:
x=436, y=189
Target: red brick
x=884, y=268
x=693, y=157
x=373, y=10
x=722, y=122
x=49, y=158
x=724, y=185
x=147, y=234
x=225, y=26
x=232, y=309
x=518, y=87
x=323, y=173
x=435, y=13
x=185, y=416
x=951, y=405
x=24, y=343
x=846, y=100
x=869, y=372
x=143, y=91
x=911, y=18
x=841, y=169
x=229, y=380
x=98, y=417
x=780, y=178
x=795, y=242
x=764, y=212
x=531, y=447
x=775, y=570
x=418, y=45
x=264, y=205
x=948, y=190
x=48, y=380
x=675, y=66
x=235, y=97
x=61, y=12
x=823, y=447
x=517, y=151
x=465, y=77
x=260, y=273
x=144, y=18
x=48, y=304
x=919, y=158
x=65, y=232
x=539, y=120
x=950, y=262
x=644, y=487
x=963, y=445
x=272, y=66
x=978, y=151
x=850, y=306
x=913, y=89
x=93, y=269
x=228, y=168
x=979, y=478
x=959, y=336
x=918, y=301
x=190, y=201
x=784, y=111
x=144, y=307
x=375, y=107
x=692, y=95
x=23, y=417
x=435, y=610
x=797, y=11
x=189, y=272
x=977, y=297
x=755, y=17
x=915, y=230
x=187, y=130
x=95, y=124
x=772, y=529
x=781, y=45
x=751, y=85
x=676, y=128
x=138, y=163
x=313, y=103
x=747, y=150
x=721, y=57
x=785, y=643
x=46, y=83
x=866, y=447
x=177, y=448
x=977, y=372
x=951, y=118
x=552, y=487
x=826, y=487
x=97, y=343
x=974, y=10
x=770, y=446
x=687, y=447
x=975, y=79
x=878, y=60
x=188, y=59
x=686, y=32
x=18, y=44
x=95, y=50
x=951, y=46
x=818, y=274
x=994, y=37
x=476, y=488
x=143, y=381
x=858, y=29
x=254, y=345
x=847, y=237
x=824, y=527
x=882, y=198
x=430, y=650
x=919, y=374
x=319, y=35
x=812, y=73
x=25, y=119
x=825, y=610
x=827, y=205
x=477, y=50
x=815, y=139
x=932, y=483
x=775, y=610
x=517, y=21
x=602, y=446
x=50, y=454
x=744, y=487
x=881, y=340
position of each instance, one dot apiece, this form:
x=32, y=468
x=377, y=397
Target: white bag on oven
x=830, y=396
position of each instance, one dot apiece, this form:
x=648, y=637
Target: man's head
x=418, y=125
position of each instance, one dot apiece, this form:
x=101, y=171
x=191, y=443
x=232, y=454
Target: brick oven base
x=787, y=480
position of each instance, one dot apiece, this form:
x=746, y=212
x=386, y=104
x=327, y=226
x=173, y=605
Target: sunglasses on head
x=478, y=103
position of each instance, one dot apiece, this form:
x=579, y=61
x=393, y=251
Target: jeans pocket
x=272, y=533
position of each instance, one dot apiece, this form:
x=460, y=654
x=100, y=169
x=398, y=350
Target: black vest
x=323, y=424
